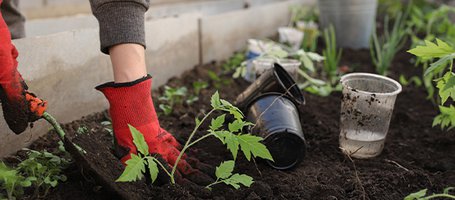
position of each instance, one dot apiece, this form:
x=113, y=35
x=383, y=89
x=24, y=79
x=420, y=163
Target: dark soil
x=416, y=156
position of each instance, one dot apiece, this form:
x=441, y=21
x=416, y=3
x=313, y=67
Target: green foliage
x=137, y=165
x=331, y=54
x=45, y=169
x=234, y=62
x=217, y=81
x=82, y=130
x=446, y=84
x=446, y=119
x=233, y=138
x=198, y=86
x=175, y=97
x=431, y=21
x=383, y=49
x=224, y=175
x=12, y=182
x=413, y=80
x=422, y=195
x=303, y=13
x=41, y=171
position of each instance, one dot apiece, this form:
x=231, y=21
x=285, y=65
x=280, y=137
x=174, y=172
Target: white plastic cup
x=291, y=36
x=366, y=109
x=263, y=64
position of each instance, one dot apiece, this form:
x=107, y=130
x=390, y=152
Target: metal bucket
x=353, y=20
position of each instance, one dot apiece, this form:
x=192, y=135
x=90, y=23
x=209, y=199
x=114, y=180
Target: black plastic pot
x=278, y=122
x=274, y=80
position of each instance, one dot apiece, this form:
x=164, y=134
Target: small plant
x=217, y=81
x=41, y=170
x=224, y=175
x=12, y=182
x=413, y=80
x=250, y=145
x=198, y=86
x=446, y=84
x=331, y=54
x=422, y=195
x=233, y=62
x=82, y=130
x=45, y=169
x=383, y=49
x=172, y=97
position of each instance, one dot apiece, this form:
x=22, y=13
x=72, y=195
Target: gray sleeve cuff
x=120, y=22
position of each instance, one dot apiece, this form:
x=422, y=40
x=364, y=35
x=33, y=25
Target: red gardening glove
x=19, y=106
x=131, y=103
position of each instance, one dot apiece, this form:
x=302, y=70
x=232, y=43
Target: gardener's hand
x=131, y=104
x=19, y=106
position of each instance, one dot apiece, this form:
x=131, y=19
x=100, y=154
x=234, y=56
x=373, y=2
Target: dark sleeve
x=120, y=21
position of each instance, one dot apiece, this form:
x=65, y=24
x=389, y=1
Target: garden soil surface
x=415, y=156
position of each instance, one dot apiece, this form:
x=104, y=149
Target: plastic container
x=291, y=36
x=366, y=109
x=261, y=65
x=273, y=80
x=278, y=122
x=353, y=20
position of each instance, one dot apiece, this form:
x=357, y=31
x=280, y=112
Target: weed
x=234, y=62
x=82, y=130
x=383, y=49
x=46, y=170
x=217, y=81
x=198, y=86
x=250, y=145
x=12, y=182
x=331, y=54
x=413, y=80
x=41, y=170
x=171, y=98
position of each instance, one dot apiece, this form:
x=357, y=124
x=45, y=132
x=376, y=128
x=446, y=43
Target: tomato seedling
x=233, y=138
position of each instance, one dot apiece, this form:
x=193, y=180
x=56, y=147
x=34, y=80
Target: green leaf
x=215, y=100
x=134, y=170
x=232, y=143
x=217, y=123
x=225, y=169
x=139, y=141
x=197, y=121
x=237, y=179
x=439, y=65
x=251, y=144
x=166, y=109
x=153, y=168
x=446, y=118
x=236, y=126
x=416, y=195
x=446, y=86
x=432, y=50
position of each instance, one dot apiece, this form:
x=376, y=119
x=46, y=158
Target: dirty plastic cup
x=366, y=109
x=261, y=65
x=277, y=120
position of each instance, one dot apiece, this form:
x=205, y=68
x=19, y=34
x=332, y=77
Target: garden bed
x=416, y=156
